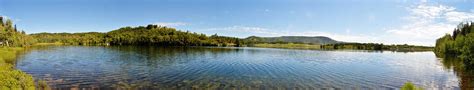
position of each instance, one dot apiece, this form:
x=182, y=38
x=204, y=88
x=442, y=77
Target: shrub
x=410, y=86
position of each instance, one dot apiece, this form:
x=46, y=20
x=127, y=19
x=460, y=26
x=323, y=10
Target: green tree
x=460, y=44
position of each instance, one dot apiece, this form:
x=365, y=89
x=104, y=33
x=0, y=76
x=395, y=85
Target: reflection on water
x=463, y=71
x=206, y=67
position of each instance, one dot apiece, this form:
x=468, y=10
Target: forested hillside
x=141, y=35
x=459, y=44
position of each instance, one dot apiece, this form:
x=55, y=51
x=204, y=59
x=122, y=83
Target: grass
x=10, y=78
x=410, y=86
x=289, y=46
x=8, y=55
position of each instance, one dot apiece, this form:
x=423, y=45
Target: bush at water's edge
x=11, y=78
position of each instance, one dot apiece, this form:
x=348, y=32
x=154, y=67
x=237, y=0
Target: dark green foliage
x=460, y=44
x=225, y=41
x=375, y=46
x=292, y=39
x=358, y=46
x=152, y=35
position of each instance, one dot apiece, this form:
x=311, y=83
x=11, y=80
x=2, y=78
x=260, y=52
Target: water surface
x=207, y=67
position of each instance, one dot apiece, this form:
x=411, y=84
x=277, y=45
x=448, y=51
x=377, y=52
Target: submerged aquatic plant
x=410, y=86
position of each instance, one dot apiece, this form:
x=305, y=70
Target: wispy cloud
x=425, y=23
x=423, y=1
x=422, y=25
x=171, y=24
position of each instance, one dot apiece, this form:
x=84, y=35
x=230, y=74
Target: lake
x=237, y=67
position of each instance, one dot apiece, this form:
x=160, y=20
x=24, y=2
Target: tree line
x=376, y=46
x=142, y=35
x=460, y=44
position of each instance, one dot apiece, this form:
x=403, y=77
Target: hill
x=153, y=35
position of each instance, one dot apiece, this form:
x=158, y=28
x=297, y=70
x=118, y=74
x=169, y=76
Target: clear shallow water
x=199, y=67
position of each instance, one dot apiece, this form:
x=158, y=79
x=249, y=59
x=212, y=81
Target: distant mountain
x=295, y=39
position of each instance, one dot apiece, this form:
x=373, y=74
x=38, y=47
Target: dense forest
x=460, y=44
x=376, y=46
x=142, y=35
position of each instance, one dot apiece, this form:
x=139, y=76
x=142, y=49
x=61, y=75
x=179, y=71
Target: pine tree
x=15, y=29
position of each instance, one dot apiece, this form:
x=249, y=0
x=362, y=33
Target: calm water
x=201, y=67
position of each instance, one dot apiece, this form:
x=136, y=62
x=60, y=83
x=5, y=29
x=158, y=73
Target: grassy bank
x=10, y=78
x=289, y=46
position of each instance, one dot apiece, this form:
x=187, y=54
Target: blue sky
x=417, y=22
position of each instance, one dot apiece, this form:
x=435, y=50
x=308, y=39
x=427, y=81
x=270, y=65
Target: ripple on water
x=232, y=68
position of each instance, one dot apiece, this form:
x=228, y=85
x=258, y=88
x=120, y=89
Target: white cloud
x=459, y=16
x=171, y=24
x=422, y=26
x=425, y=23
x=428, y=12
